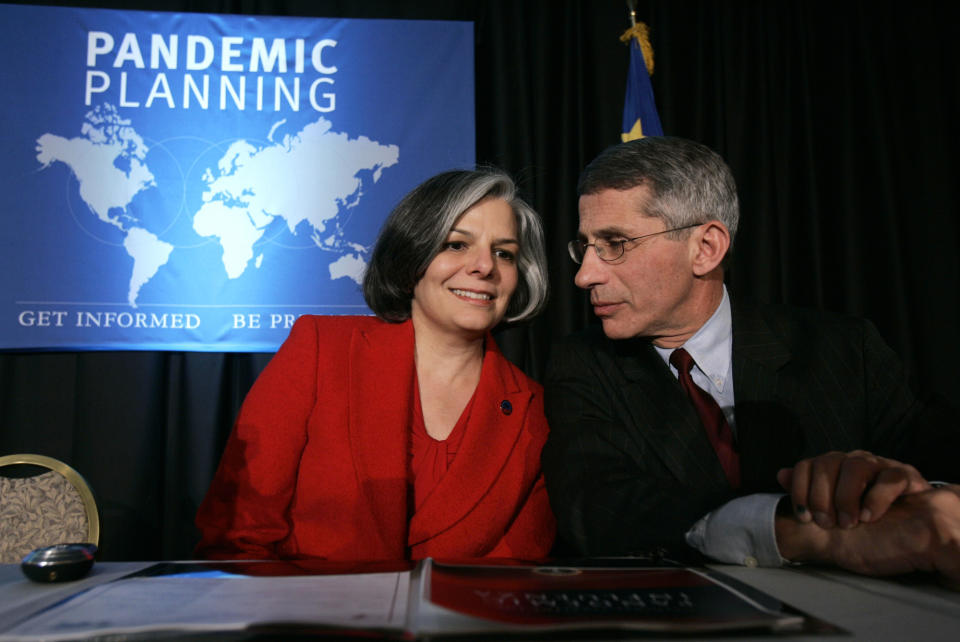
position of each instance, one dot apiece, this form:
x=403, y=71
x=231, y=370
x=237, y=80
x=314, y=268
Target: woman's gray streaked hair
x=417, y=229
x=689, y=183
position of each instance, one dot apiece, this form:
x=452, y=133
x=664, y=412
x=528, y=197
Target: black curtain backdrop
x=838, y=119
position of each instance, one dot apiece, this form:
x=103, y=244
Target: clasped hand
x=843, y=489
x=890, y=519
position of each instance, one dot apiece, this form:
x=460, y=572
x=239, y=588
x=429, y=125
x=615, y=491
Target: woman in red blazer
x=405, y=435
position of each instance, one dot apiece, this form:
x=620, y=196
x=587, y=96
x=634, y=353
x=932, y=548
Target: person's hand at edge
x=844, y=489
x=920, y=532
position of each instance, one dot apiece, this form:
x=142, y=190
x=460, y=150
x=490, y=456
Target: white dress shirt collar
x=711, y=347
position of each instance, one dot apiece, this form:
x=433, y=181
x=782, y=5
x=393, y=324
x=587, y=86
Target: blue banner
x=196, y=182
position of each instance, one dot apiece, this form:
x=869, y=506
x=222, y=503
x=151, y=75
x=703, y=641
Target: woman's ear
x=712, y=240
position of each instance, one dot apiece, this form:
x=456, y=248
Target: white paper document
x=371, y=601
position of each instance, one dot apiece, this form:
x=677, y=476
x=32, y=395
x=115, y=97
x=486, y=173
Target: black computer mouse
x=59, y=563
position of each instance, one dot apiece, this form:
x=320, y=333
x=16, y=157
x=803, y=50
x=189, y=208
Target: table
x=20, y=597
x=868, y=608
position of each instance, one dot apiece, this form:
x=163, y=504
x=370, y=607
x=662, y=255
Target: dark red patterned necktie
x=712, y=417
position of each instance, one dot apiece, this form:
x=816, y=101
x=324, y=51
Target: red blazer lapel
x=381, y=375
x=495, y=423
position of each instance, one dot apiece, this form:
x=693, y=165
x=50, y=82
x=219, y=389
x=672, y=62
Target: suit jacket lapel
x=381, y=375
x=490, y=436
x=666, y=419
x=766, y=435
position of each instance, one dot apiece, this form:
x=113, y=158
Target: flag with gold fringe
x=640, y=116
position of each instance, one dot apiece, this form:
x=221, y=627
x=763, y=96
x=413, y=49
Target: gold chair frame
x=72, y=476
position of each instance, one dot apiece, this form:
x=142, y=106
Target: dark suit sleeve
x=808, y=382
x=922, y=432
x=610, y=493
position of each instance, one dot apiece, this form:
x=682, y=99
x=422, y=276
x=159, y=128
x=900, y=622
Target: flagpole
x=640, y=116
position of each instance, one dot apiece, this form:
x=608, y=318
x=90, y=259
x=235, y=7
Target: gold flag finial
x=641, y=32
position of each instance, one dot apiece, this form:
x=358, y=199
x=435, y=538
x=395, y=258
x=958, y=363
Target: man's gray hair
x=688, y=182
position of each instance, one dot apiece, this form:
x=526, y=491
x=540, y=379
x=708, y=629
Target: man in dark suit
x=686, y=419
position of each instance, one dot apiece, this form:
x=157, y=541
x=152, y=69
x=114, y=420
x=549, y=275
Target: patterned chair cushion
x=38, y=511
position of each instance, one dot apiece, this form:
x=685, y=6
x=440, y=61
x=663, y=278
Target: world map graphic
x=309, y=180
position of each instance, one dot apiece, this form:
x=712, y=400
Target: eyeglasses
x=612, y=250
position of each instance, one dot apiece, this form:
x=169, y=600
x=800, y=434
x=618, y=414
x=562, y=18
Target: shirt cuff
x=742, y=531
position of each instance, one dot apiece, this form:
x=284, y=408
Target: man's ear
x=710, y=244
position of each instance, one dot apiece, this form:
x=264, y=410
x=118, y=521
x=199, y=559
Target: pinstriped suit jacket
x=627, y=463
